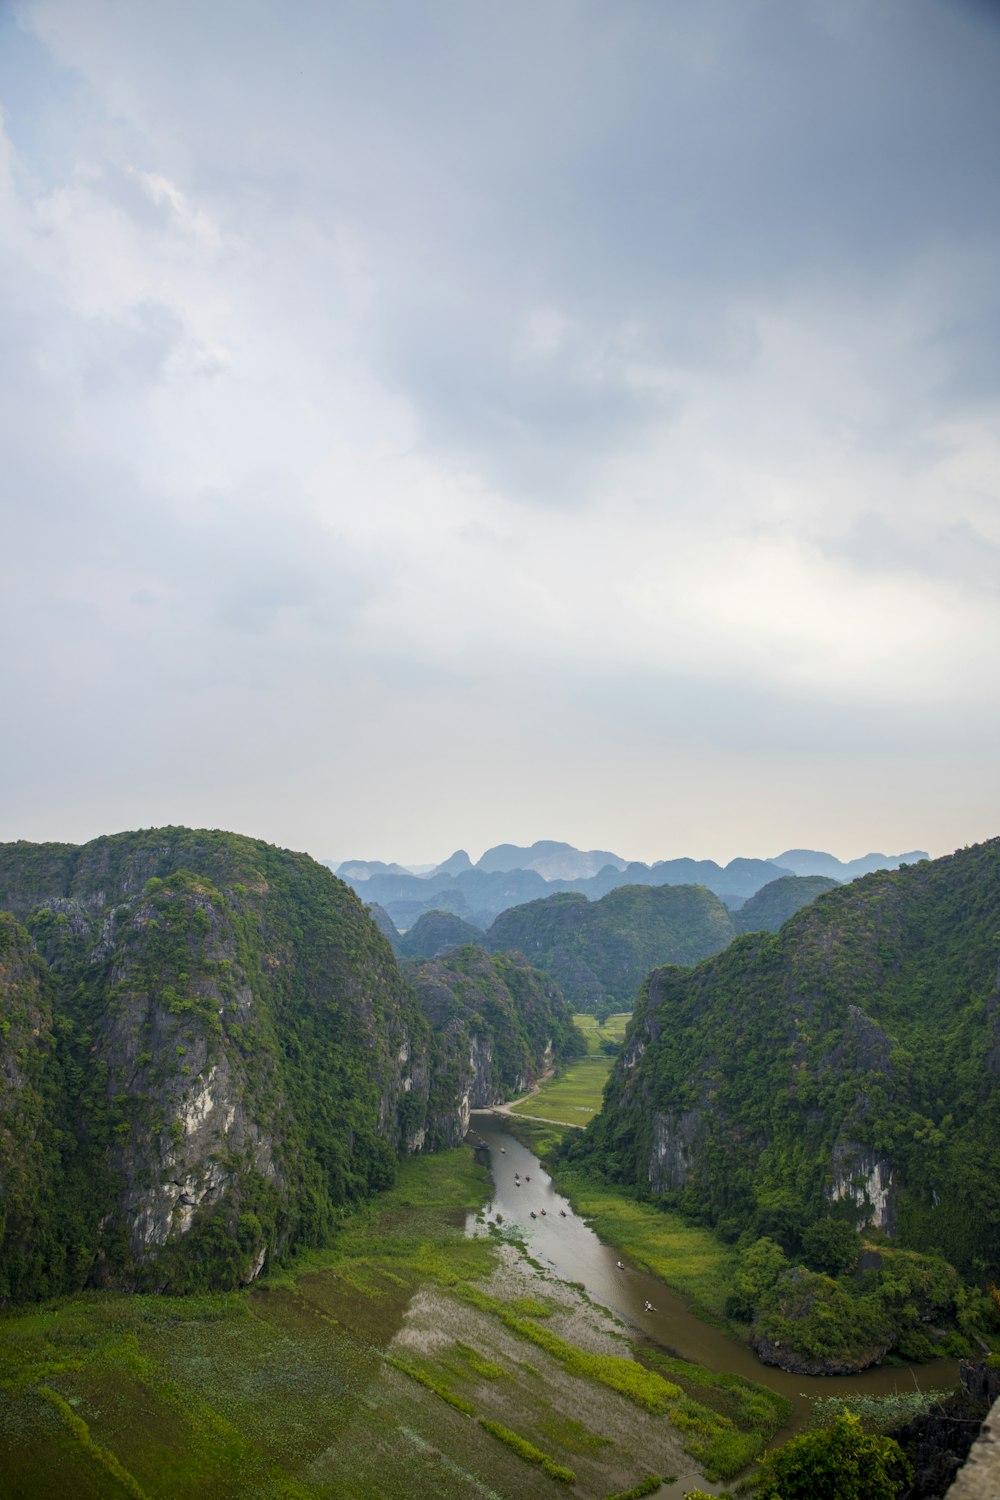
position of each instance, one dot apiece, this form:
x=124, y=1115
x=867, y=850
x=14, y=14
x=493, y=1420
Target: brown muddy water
x=568, y=1249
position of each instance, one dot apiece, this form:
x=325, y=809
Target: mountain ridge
x=207, y=1051
x=479, y=895
x=851, y=1059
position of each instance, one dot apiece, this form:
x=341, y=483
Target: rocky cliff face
x=210, y=1045
x=26, y=1167
x=497, y=1023
x=848, y=1061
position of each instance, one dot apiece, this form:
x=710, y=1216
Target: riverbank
x=408, y=1358
x=692, y=1261
x=698, y=1269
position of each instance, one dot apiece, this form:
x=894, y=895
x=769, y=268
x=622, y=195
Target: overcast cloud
x=428, y=424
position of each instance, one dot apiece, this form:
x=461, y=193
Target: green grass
x=626, y=1376
x=528, y=1451
x=596, y=1032
x=224, y=1394
x=574, y=1097
x=688, y=1258
x=646, y=1486
x=429, y=1383
x=407, y=1234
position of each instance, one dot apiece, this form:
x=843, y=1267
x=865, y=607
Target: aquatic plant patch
x=528, y=1451
x=627, y=1377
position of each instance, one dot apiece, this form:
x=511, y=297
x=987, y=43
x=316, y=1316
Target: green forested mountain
x=599, y=952
x=384, y=923
x=437, y=932
x=206, y=1049
x=771, y=906
x=846, y=1068
x=497, y=1022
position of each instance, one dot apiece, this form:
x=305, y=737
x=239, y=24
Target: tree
x=831, y=1245
x=840, y=1462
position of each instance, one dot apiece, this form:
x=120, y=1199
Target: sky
x=436, y=424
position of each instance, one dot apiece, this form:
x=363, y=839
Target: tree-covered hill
x=207, y=1049
x=599, y=952
x=771, y=906
x=846, y=1068
x=385, y=924
x=498, y=1023
x=436, y=932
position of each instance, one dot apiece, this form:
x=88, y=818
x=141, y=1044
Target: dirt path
x=508, y=1108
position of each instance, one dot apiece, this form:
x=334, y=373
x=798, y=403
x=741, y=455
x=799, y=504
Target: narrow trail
x=508, y=1108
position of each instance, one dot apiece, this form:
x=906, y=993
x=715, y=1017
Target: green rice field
x=574, y=1097
x=409, y=1359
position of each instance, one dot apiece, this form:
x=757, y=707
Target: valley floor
x=409, y=1360
x=573, y=1096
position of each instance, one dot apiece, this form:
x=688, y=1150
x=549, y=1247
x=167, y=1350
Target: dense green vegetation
x=839, y=1462
x=207, y=1053
x=841, y=1072
x=599, y=952
x=437, y=932
x=574, y=1096
x=387, y=1363
x=771, y=906
x=517, y=1017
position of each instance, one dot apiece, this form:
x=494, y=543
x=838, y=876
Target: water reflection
x=524, y=1197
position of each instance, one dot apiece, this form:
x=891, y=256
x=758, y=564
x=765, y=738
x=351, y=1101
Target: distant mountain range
x=511, y=874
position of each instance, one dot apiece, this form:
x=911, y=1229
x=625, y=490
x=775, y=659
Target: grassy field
x=596, y=1032
x=407, y=1359
x=688, y=1258
x=574, y=1097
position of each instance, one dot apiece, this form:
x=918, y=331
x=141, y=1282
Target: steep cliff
x=843, y=1067
x=206, y=1050
x=28, y=1165
x=498, y=1024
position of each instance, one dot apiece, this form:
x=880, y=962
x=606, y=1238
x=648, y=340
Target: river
x=563, y=1243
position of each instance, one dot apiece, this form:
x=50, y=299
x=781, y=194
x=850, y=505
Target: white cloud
x=345, y=377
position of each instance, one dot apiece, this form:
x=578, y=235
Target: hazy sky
x=435, y=422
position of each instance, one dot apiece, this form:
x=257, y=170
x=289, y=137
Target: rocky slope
x=207, y=1048
x=498, y=1024
x=848, y=1065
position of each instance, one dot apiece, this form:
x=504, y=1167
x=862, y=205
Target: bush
x=840, y=1462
